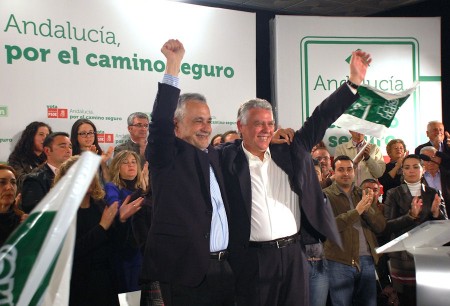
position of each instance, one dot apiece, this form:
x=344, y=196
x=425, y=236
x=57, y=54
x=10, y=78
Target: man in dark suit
x=266, y=186
x=57, y=148
x=186, y=249
x=439, y=138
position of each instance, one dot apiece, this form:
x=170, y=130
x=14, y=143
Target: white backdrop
x=61, y=60
x=310, y=54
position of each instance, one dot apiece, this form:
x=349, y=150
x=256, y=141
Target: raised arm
x=161, y=138
x=331, y=108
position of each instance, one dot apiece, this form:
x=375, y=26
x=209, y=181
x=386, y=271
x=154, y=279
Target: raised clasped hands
x=435, y=211
x=366, y=201
x=127, y=209
x=109, y=213
x=416, y=207
x=106, y=155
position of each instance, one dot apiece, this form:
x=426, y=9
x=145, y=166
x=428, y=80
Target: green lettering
x=319, y=82
x=12, y=23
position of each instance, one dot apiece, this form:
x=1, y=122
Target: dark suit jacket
x=446, y=148
x=397, y=206
x=177, y=248
x=295, y=160
x=35, y=186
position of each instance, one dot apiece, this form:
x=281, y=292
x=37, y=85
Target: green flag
x=374, y=111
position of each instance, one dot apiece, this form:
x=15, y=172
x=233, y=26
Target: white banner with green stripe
x=36, y=260
x=372, y=114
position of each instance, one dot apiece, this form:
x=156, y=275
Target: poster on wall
x=100, y=60
x=311, y=57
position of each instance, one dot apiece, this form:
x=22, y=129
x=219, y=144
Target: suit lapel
x=214, y=160
x=282, y=159
x=241, y=169
x=203, y=161
x=405, y=194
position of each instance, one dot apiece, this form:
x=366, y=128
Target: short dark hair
x=341, y=157
x=412, y=156
x=369, y=180
x=214, y=137
x=48, y=141
x=230, y=132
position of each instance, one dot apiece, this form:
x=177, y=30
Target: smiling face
x=86, y=130
x=435, y=132
x=344, y=173
x=396, y=151
x=258, y=131
x=39, y=137
x=195, y=125
x=8, y=189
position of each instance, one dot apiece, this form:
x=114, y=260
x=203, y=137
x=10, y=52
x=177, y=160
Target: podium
x=432, y=260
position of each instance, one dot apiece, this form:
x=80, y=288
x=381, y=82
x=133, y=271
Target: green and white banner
x=310, y=61
x=36, y=260
x=372, y=114
x=63, y=60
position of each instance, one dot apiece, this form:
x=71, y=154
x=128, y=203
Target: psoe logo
x=55, y=112
x=3, y=111
x=8, y=253
x=105, y=138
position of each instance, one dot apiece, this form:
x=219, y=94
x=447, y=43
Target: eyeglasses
x=86, y=134
x=140, y=125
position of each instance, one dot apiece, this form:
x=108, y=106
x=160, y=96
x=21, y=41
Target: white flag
x=36, y=251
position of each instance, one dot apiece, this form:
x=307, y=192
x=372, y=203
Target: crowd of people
x=249, y=217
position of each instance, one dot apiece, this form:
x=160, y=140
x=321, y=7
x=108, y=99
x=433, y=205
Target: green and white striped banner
x=373, y=112
x=36, y=260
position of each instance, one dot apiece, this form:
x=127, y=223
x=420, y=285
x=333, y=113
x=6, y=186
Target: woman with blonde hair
x=392, y=176
x=127, y=179
x=126, y=176
x=93, y=280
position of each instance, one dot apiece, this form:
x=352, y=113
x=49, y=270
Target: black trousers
x=216, y=289
x=273, y=276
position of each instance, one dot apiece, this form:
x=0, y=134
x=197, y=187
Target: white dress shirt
x=275, y=209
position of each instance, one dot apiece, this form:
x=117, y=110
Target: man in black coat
x=269, y=188
x=439, y=138
x=186, y=249
x=37, y=184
